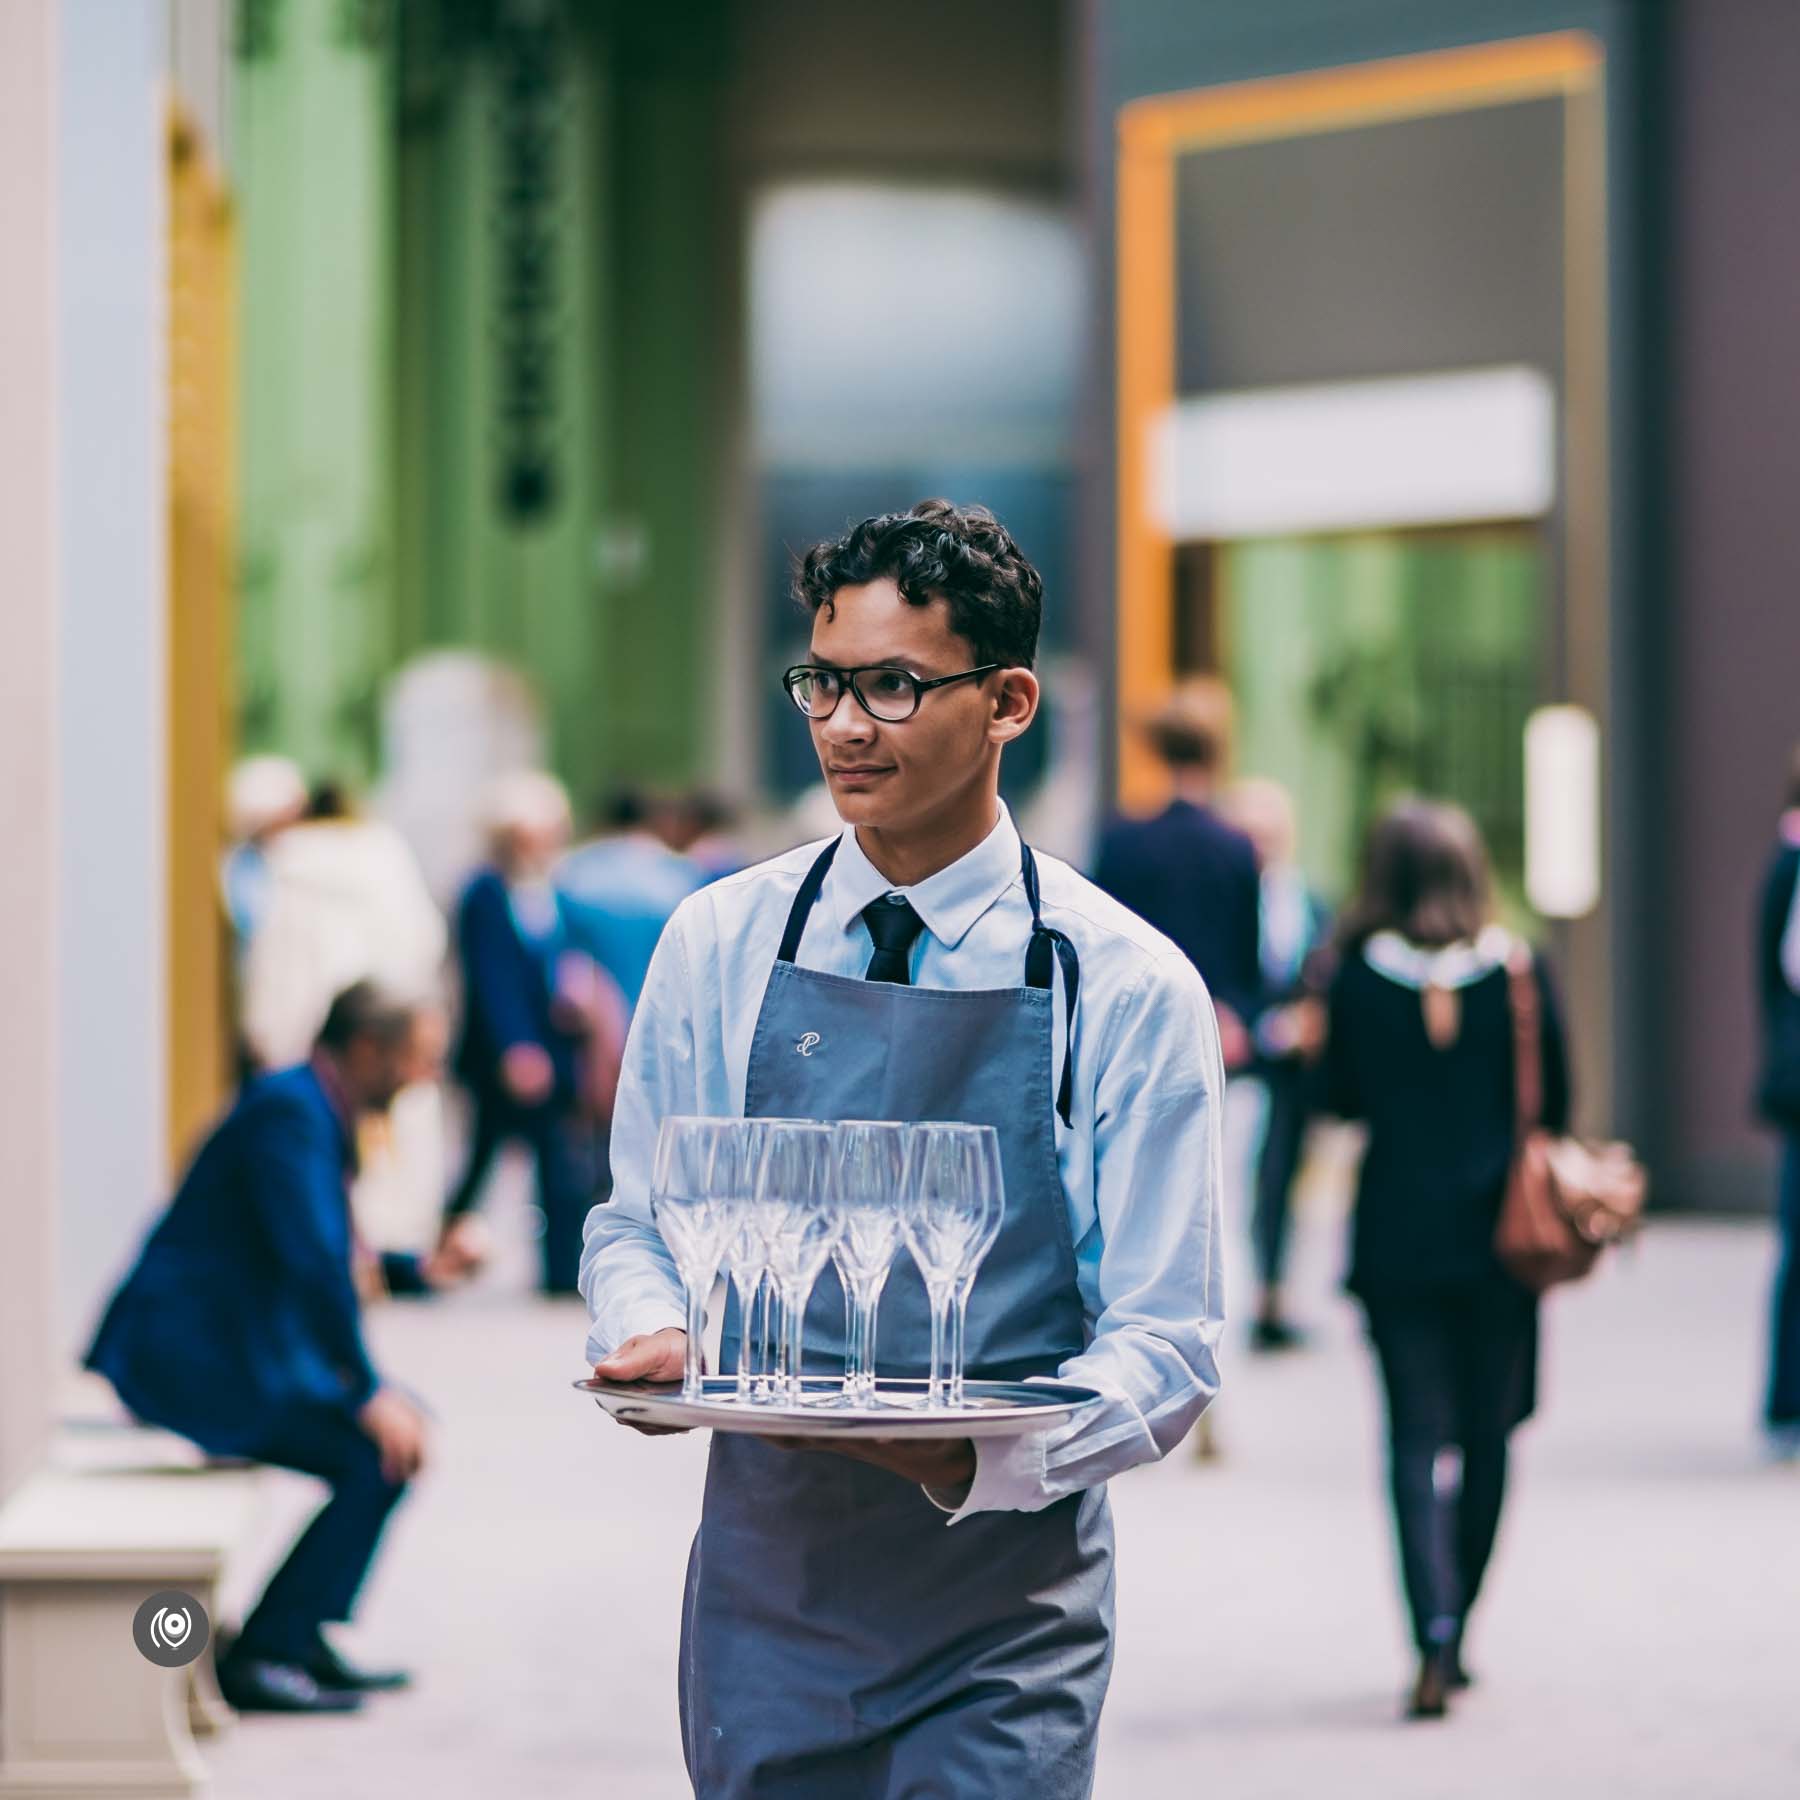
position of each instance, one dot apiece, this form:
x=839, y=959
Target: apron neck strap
x=803, y=903
x=1048, y=948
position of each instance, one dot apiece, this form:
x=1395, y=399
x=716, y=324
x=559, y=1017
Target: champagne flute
x=685, y=1202
x=939, y=1213
x=747, y=1263
x=771, y=1323
x=746, y=1250
x=772, y=1342
x=853, y=1349
x=991, y=1194
x=798, y=1185
x=871, y=1174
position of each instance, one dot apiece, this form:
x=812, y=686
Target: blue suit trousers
x=325, y=1569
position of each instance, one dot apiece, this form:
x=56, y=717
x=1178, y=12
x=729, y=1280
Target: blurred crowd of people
x=324, y=1186
x=539, y=964
x=1401, y=1013
x=1416, y=1015
x=1397, y=1015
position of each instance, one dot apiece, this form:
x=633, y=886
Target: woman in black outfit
x=1421, y=1049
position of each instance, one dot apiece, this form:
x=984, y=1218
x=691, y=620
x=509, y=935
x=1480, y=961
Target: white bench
x=82, y=1545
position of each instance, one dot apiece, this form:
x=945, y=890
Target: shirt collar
x=949, y=902
x=1453, y=966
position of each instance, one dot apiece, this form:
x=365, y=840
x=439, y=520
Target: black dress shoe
x=1430, y=1698
x=250, y=1684
x=336, y=1676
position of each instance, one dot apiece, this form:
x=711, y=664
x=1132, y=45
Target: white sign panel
x=1562, y=812
x=1456, y=448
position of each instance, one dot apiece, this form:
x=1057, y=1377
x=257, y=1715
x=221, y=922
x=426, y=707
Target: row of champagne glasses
x=770, y=1201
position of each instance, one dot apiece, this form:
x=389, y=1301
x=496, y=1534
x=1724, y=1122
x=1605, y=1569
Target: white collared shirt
x=1140, y=1164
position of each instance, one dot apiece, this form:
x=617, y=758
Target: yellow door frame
x=202, y=411
x=1153, y=131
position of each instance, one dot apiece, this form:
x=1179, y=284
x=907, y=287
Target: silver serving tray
x=992, y=1409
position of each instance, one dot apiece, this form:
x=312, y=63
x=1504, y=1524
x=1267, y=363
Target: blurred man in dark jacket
x=1187, y=872
x=239, y=1327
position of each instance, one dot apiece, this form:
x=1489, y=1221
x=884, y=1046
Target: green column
x=315, y=163
x=560, y=186
x=670, y=312
x=501, y=392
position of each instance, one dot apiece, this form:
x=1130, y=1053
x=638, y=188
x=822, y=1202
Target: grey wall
x=959, y=85
x=1405, y=247
x=111, y=879
x=1734, y=447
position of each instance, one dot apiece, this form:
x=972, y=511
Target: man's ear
x=1016, y=696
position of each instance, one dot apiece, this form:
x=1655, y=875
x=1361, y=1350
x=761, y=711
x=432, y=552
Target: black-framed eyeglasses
x=884, y=692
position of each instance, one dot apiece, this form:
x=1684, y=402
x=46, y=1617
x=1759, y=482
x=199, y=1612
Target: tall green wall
x=670, y=310
x=314, y=156
x=483, y=562
x=460, y=216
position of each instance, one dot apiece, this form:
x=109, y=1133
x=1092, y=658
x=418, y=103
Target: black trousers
x=1290, y=1087
x=1458, y=1367
x=325, y=1569
x=564, y=1179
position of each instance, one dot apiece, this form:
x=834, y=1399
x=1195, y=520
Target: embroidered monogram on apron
x=840, y=1639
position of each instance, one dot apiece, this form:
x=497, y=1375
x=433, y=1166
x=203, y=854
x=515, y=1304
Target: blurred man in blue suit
x=239, y=1327
x=520, y=1051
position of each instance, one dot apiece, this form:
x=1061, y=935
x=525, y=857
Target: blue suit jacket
x=618, y=893
x=1195, y=879
x=241, y=1304
x=508, y=986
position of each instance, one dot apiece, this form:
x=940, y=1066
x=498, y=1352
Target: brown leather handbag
x=1566, y=1199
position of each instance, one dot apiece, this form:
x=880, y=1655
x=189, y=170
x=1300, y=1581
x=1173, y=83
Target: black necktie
x=893, y=925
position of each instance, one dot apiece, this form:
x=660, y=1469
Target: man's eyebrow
x=885, y=662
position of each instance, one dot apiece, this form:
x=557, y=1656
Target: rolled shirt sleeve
x=1158, y=1173
x=627, y=1276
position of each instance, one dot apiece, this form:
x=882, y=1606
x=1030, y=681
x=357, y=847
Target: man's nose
x=849, y=724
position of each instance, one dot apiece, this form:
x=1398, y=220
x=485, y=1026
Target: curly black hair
x=961, y=555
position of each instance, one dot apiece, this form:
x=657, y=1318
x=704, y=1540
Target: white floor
x=1641, y=1635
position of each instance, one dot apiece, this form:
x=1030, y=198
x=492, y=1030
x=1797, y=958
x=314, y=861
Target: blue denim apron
x=839, y=1638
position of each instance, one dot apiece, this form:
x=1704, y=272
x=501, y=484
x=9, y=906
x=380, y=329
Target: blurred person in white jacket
x=345, y=901
x=264, y=795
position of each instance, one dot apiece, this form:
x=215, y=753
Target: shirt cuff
x=638, y=1319
x=404, y=1273
x=1009, y=1477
